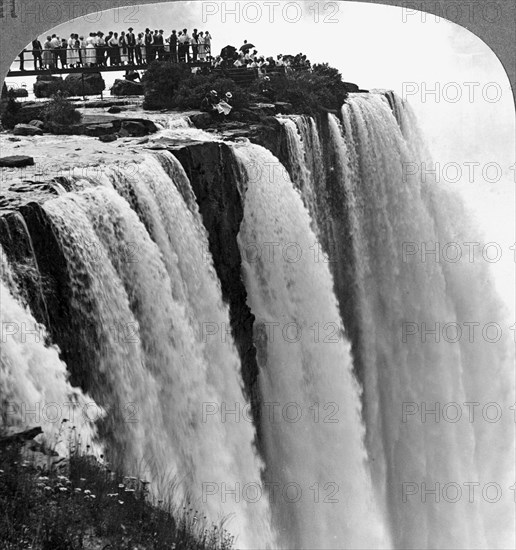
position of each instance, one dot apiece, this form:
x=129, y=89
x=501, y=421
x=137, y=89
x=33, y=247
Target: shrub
x=59, y=111
x=11, y=112
x=160, y=83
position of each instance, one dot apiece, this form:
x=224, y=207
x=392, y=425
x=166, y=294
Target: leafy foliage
x=85, y=504
x=173, y=86
x=59, y=111
x=11, y=112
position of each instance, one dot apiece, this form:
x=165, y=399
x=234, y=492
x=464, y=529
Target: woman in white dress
x=201, y=51
x=47, y=54
x=91, y=54
x=207, y=44
x=72, y=55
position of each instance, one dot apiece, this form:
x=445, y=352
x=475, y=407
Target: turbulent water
x=330, y=249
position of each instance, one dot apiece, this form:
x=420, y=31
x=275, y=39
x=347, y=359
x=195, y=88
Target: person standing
x=195, y=44
x=131, y=44
x=70, y=53
x=200, y=47
x=55, y=44
x=82, y=51
x=139, y=49
x=122, y=42
x=37, y=51
x=159, y=42
x=90, y=50
x=114, y=51
x=186, y=44
x=101, y=49
x=207, y=44
x=148, y=46
x=62, y=52
x=48, y=58
x=173, y=46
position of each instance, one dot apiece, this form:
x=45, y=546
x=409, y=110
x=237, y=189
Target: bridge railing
x=115, y=55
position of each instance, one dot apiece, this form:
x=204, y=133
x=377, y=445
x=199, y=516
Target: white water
x=144, y=292
x=385, y=209
x=34, y=381
x=325, y=451
x=159, y=293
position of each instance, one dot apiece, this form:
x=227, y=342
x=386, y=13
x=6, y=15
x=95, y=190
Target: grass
x=86, y=505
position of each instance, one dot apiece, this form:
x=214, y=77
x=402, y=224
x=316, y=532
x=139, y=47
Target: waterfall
x=378, y=212
x=314, y=436
x=144, y=291
x=375, y=370
x=34, y=386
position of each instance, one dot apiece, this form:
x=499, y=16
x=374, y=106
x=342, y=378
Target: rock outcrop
x=126, y=87
x=16, y=161
x=78, y=84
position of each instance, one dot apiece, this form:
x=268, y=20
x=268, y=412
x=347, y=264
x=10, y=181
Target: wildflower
x=112, y=494
x=47, y=488
x=78, y=489
x=87, y=492
x=120, y=502
x=62, y=478
x=82, y=479
x=63, y=489
x=121, y=485
x=129, y=490
x=1, y=471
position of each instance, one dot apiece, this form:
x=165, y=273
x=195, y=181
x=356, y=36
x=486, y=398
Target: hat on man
x=130, y=29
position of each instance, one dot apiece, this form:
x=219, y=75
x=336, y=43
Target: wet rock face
x=213, y=174
x=126, y=87
x=27, y=130
x=16, y=161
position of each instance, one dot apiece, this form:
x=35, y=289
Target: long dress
x=207, y=44
x=47, y=54
x=72, y=55
x=84, y=55
x=201, y=51
x=123, y=50
x=91, y=55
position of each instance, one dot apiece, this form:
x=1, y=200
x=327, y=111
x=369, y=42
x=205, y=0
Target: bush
x=11, y=112
x=160, y=83
x=60, y=111
x=308, y=91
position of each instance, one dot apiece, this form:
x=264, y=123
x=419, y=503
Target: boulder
x=201, y=120
x=27, y=130
x=37, y=123
x=115, y=109
x=135, y=128
x=19, y=92
x=16, y=161
x=93, y=84
x=126, y=87
x=108, y=137
x=47, y=85
x=97, y=130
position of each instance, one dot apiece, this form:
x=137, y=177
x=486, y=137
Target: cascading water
x=378, y=210
x=305, y=365
x=325, y=263
x=34, y=381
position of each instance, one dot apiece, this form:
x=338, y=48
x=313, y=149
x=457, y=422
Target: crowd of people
x=129, y=49
x=114, y=49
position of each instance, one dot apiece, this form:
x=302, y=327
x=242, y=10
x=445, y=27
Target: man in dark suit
x=149, y=49
x=195, y=42
x=37, y=51
x=131, y=44
x=173, y=46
